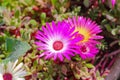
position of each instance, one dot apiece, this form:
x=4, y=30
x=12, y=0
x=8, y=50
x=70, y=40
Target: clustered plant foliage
x=20, y=21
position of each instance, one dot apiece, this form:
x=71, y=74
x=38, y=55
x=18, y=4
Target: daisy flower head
x=87, y=51
x=86, y=28
x=12, y=71
x=56, y=39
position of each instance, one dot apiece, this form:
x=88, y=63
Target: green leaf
x=77, y=58
x=25, y=35
x=28, y=2
x=1, y=22
x=86, y=3
x=108, y=27
x=9, y=43
x=16, y=48
x=54, y=2
x=43, y=15
x=88, y=65
x=17, y=13
x=114, y=31
x=43, y=18
x=33, y=22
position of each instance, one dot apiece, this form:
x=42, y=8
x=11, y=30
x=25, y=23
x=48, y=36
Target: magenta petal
x=55, y=56
x=60, y=57
x=113, y=3
x=97, y=37
x=48, y=56
x=43, y=54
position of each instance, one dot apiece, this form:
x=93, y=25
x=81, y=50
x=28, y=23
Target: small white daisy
x=12, y=71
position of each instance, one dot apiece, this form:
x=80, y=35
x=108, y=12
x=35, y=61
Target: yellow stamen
x=84, y=32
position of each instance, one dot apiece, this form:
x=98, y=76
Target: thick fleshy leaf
x=88, y=65
x=16, y=48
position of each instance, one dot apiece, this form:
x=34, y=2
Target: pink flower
x=113, y=3
x=87, y=51
x=89, y=31
x=56, y=39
